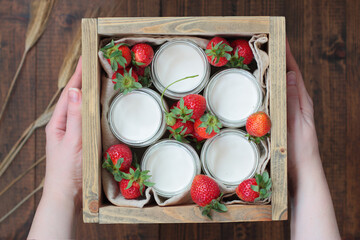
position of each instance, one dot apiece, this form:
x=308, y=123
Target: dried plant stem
x=13, y=81
x=41, y=121
x=58, y=91
x=40, y=12
x=16, y=148
x=22, y=174
x=41, y=185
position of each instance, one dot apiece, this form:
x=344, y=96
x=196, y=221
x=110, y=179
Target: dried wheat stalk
x=41, y=185
x=68, y=66
x=65, y=74
x=40, y=12
x=22, y=175
x=40, y=122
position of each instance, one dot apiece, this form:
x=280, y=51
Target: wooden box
x=94, y=209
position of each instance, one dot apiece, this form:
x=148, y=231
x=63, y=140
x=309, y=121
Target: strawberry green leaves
x=237, y=61
x=171, y=116
x=140, y=177
x=263, y=186
x=179, y=134
x=211, y=123
x=213, y=205
x=182, y=112
x=112, y=52
x=113, y=169
x=257, y=140
x=218, y=51
x=125, y=82
x=145, y=80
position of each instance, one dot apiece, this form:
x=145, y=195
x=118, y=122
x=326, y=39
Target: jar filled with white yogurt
x=230, y=157
x=233, y=95
x=172, y=166
x=137, y=118
x=175, y=60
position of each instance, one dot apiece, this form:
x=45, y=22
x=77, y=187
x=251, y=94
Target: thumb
x=73, y=122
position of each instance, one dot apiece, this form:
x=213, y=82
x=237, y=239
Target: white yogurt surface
x=136, y=116
x=177, y=61
x=234, y=96
x=231, y=158
x=172, y=168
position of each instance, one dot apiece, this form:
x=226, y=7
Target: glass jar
x=233, y=95
x=230, y=157
x=137, y=118
x=178, y=59
x=172, y=165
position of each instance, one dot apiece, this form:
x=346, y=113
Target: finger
x=58, y=120
x=73, y=122
x=293, y=101
x=291, y=65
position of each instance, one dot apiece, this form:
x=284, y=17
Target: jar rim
x=177, y=95
x=209, y=89
x=222, y=133
x=189, y=149
x=160, y=129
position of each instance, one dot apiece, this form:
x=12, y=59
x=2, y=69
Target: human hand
x=302, y=140
x=63, y=176
x=312, y=215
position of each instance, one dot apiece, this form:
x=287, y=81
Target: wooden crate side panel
x=182, y=214
x=277, y=71
x=184, y=25
x=91, y=132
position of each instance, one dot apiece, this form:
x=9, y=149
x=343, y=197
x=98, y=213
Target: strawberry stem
x=162, y=94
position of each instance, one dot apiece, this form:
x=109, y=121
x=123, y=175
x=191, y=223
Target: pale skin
x=312, y=214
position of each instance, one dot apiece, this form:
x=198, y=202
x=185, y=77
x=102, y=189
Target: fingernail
x=291, y=78
x=74, y=95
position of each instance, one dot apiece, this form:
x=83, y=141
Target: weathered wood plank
x=278, y=164
x=351, y=211
x=19, y=114
x=91, y=139
x=185, y=25
x=182, y=214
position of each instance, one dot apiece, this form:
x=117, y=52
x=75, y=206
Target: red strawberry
x=180, y=130
x=121, y=72
x=255, y=189
x=241, y=54
x=132, y=192
x=205, y=192
x=125, y=81
x=133, y=183
x=191, y=106
x=118, y=55
x=117, y=159
x=218, y=51
x=197, y=136
x=142, y=54
x=207, y=126
x=258, y=125
x=144, y=75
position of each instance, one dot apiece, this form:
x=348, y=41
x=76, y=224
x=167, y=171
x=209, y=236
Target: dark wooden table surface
x=325, y=38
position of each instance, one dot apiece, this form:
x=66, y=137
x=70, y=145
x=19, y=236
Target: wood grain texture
x=186, y=25
x=331, y=75
x=216, y=26
x=351, y=211
x=181, y=214
x=17, y=117
x=91, y=121
x=278, y=161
